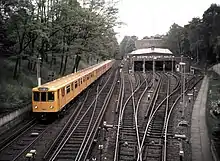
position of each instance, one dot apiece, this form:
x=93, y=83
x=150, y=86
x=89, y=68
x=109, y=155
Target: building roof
x=151, y=51
x=147, y=43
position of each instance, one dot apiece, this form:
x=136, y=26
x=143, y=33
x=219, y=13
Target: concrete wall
x=13, y=118
x=216, y=68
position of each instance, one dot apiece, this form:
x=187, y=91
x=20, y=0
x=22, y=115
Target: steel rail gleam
x=84, y=127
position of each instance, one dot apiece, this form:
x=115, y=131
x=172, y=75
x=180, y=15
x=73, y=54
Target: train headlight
x=51, y=107
x=35, y=107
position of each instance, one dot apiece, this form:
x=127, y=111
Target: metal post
x=172, y=65
x=181, y=75
x=164, y=66
x=183, y=86
x=153, y=72
x=100, y=148
x=38, y=71
x=197, y=54
x=132, y=65
x=183, y=90
x=144, y=66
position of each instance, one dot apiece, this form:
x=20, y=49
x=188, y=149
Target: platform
x=199, y=132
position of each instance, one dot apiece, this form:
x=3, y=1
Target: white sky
x=150, y=17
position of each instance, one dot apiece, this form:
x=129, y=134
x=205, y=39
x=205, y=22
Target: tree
x=123, y=45
x=199, y=38
x=127, y=45
x=130, y=45
x=174, y=38
x=53, y=29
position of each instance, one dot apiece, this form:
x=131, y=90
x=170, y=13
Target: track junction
x=122, y=116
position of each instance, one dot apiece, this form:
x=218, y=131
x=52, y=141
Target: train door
x=81, y=84
x=58, y=98
x=63, y=97
x=76, y=88
x=87, y=80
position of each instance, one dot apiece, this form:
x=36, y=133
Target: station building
x=152, y=53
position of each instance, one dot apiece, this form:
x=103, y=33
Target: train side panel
x=56, y=101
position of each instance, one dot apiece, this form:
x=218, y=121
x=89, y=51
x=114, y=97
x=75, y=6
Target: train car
x=51, y=98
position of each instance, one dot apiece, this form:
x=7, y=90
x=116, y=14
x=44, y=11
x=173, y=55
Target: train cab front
x=43, y=103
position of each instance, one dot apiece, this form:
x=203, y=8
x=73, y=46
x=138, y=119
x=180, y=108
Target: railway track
x=79, y=135
x=15, y=148
x=128, y=137
x=154, y=143
x=39, y=136
x=127, y=140
x=14, y=133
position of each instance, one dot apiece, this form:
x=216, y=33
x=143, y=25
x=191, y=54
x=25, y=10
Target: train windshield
x=43, y=96
x=36, y=96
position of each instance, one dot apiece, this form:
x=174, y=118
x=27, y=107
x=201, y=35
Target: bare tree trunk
x=51, y=62
x=76, y=63
x=34, y=66
x=16, y=68
x=62, y=57
x=65, y=62
x=61, y=65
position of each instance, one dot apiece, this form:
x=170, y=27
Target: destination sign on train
x=43, y=89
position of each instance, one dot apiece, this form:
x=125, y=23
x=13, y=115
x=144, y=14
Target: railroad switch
x=95, y=140
x=183, y=123
x=29, y=156
x=94, y=159
x=148, y=97
x=33, y=152
x=179, y=136
x=34, y=134
x=181, y=151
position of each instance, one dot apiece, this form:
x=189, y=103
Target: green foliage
x=67, y=34
x=174, y=38
x=198, y=39
x=127, y=45
x=63, y=28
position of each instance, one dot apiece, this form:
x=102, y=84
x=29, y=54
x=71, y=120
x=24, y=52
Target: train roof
x=63, y=81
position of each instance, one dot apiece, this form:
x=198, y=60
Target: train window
x=43, y=96
x=50, y=96
x=36, y=96
x=63, y=91
x=68, y=89
x=87, y=77
x=81, y=81
x=75, y=84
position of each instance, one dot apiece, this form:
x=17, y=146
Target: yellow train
x=52, y=97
